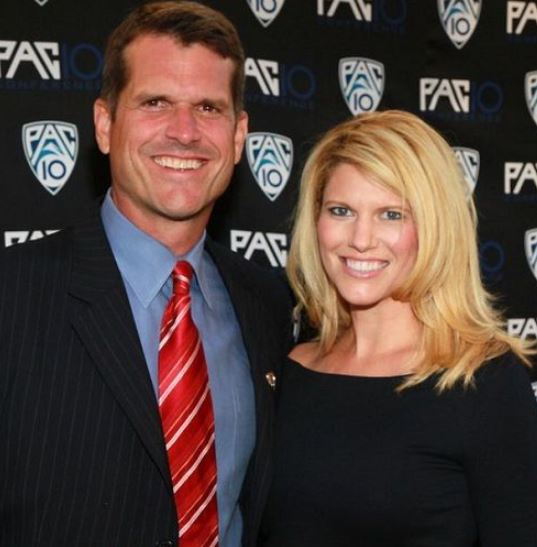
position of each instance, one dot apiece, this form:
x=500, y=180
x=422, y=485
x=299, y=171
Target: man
x=85, y=458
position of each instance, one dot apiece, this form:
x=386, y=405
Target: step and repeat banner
x=468, y=67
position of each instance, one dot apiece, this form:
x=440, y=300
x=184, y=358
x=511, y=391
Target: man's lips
x=180, y=164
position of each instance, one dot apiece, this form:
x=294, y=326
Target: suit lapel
x=102, y=317
x=243, y=297
x=260, y=355
x=263, y=353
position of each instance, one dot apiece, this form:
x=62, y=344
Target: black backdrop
x=468, y=67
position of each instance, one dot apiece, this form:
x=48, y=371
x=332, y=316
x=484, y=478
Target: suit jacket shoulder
x=78, y=417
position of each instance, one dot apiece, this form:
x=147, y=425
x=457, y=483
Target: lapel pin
x=271, y=379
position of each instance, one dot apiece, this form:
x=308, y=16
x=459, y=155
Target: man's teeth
x=178, y=163
x=366, y=265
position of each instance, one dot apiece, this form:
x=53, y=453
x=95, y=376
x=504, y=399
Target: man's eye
x=208, y=108
x=154, y=104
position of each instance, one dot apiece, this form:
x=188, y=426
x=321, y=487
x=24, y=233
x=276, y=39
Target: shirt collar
x=145, y=263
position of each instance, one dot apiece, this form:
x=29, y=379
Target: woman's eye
x=339, y=211
x=392, y=215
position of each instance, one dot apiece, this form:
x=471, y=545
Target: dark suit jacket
x=82, y=458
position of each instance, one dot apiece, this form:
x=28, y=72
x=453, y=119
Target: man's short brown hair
x=185, y=21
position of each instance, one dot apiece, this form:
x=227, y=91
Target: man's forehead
x=148, y=42
x=152, y=56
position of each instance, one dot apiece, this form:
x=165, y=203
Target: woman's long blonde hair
x=461, y=329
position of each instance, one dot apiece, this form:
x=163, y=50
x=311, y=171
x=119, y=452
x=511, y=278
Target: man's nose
x=183, y=125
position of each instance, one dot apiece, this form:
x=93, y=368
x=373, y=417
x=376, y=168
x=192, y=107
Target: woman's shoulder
x=504, y=380
x=305, y=353
x=506, y=368
x=500, y=410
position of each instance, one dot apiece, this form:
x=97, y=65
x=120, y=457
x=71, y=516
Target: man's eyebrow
x=146, y=95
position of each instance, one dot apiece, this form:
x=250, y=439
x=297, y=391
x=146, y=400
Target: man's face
x=175, y=137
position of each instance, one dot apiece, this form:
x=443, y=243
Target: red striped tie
x=186, y=411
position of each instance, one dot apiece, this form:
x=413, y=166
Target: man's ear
x=241, y=130
x=102, y=120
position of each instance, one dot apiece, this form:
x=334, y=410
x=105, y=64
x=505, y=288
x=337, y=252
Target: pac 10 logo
x=519, y=14
x=270, y=157
x=266, y=10
x=517, y=174
x=523, y=327
x=51, y=150
x=14, y=237
x=469, y=161
x=361, y=9
x=530, y=248
x=460, y=96
x=272, y=246
x=279, y=80
x=530, y=91
x=459, y=19
x=49, y=60
x=388, y=13
x=361, y=81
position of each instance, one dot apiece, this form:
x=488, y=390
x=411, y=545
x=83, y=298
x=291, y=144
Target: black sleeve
x=501, y=456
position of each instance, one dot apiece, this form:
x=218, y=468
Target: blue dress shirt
x=146, y=265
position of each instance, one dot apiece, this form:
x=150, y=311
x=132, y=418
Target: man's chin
x=186, y=213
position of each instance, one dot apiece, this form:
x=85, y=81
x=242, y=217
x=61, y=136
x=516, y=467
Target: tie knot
x=182, y=276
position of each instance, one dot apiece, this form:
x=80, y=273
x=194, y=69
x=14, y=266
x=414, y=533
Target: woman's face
x=367, y=238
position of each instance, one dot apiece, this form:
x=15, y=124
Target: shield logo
x=51, y=149
x=270, y=157
x=530, y=246
x=362, y=83
x=266, y=10
x=468, y=159
x=459, y=19
x=41, y=2
x=531, y=93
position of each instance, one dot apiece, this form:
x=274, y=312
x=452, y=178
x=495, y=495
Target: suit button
x=165, y=543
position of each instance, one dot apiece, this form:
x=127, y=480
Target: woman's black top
x=358, y=464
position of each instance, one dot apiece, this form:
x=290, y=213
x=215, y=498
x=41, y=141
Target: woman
x=409, y=420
